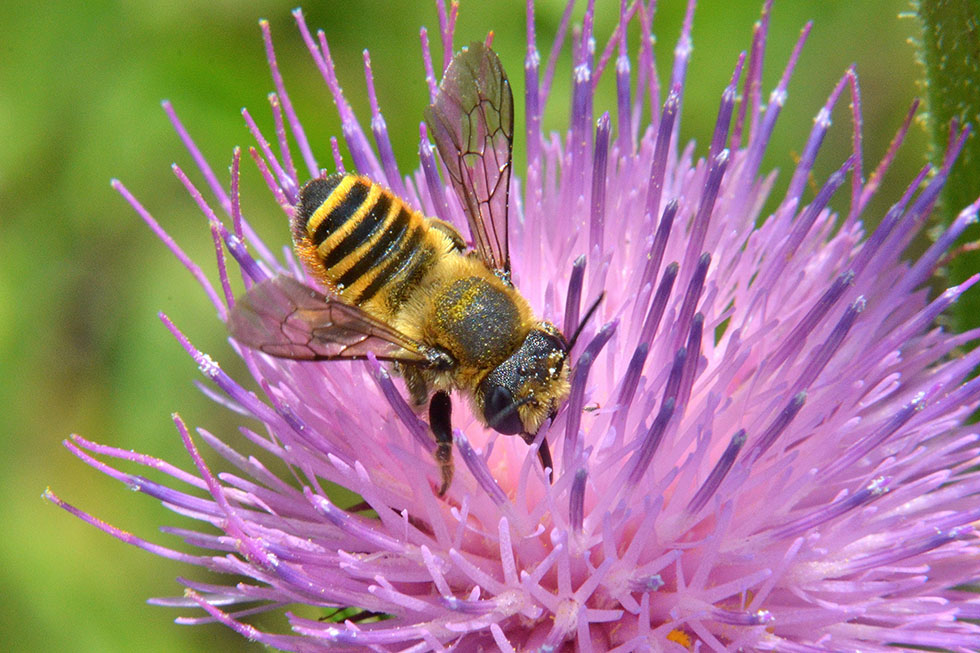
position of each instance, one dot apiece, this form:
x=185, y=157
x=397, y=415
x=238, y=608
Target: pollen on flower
x=823, y=118
x=878, y=486
x=782, y=460
x=650, y=583
x=208, y=366
x=680, y=637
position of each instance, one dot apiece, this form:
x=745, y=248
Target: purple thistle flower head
x=764, y=446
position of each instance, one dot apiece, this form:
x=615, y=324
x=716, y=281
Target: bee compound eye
x=500, y=411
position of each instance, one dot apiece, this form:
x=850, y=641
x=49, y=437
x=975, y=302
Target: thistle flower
x=764, y=447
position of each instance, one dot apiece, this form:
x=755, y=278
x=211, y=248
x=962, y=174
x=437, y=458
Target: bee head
x=528, y=387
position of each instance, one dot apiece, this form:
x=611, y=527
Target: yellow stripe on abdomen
x=362, y=240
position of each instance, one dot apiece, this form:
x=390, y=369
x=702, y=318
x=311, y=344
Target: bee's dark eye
x=500, y=411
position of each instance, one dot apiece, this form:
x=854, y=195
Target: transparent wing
x=284, y=318
x=472, y=123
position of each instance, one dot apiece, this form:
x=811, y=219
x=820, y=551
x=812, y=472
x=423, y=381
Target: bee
x=405, y=288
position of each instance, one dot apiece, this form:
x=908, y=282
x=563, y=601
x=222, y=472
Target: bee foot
x=544, y=454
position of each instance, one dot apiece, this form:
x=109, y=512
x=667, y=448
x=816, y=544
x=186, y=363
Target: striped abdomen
x=362, y=241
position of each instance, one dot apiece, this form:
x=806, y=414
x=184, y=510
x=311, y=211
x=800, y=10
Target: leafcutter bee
x=405, y=288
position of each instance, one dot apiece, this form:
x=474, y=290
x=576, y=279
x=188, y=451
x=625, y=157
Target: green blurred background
x=82, y=279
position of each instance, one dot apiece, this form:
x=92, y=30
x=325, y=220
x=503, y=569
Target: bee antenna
x=523, y=401
x=584, y=320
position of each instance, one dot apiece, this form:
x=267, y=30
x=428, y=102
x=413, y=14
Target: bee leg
x=459, y=245
x=544, y=453
x=441, y=423
x=418, y=388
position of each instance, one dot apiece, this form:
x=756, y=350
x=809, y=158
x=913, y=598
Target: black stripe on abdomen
x=412, y=259
x=387, y=242
x=361, y=233
x=311, y=197
x=334, y=211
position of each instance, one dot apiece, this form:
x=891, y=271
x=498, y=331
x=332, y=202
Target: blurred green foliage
x=950, y=55
x=82, y=279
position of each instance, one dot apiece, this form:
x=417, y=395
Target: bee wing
x=472, y=123
x=282, y=317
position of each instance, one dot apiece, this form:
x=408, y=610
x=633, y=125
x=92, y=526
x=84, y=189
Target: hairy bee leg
x=544, y=453
x=441, y=423
x=418, y=388
x=455, y=238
